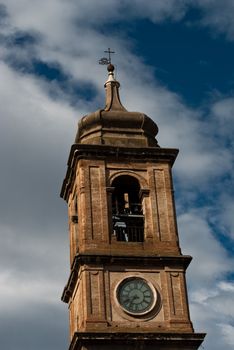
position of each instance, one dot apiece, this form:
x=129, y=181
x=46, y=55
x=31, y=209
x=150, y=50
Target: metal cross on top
x=105, y=60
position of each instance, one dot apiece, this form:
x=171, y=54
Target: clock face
x=136, y=296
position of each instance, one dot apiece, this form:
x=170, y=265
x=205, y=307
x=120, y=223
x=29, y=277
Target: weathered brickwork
x=93, y=231
x=122, y=226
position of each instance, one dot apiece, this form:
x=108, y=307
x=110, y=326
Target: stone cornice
x=140, y=339
x=83, y=151
x=181, y=261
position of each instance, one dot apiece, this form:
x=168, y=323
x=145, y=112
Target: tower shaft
x=127, y=284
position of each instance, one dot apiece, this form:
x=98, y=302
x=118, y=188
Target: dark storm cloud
x=37, y=326
x=33, y=173
x=3, y=14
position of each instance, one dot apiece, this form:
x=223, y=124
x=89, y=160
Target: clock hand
x=126, y=300
x=130, y=299
x=133, y=298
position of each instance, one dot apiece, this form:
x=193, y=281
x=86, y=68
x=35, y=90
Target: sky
x=174, y=60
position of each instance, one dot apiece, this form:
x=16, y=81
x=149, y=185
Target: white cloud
x=55, y=18
x=207, y=319
x=226, y=210
x=226, y=286
x=228, y=333
x=157, y=11
x=35, y=135
x=210, y=293
x=202, y=295
x=223, y=110
x=217, y=15
x=90, y=13
x=223, y=304
x=183, y=128
x=210, y=260
x=21, y=292
x=32, y=110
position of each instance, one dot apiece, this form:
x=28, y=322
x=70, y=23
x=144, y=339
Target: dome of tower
x=114, y=125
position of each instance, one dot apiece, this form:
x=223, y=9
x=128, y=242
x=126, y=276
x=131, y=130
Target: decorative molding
x=86, y=151
x=139, y=340
x=181, y=261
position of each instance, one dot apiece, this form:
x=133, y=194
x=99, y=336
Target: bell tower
x=126, y=288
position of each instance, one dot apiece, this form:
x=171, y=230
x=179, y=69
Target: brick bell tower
x=127, y=287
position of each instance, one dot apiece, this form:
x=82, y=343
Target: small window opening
x=127, y=215
x=75, y=211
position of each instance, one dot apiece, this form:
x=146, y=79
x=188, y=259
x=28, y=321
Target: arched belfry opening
x=127, y=213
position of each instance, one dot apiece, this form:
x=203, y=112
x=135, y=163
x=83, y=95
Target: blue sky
x=200, y=64
x=174, y=60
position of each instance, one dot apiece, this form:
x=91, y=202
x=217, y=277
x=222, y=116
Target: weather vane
x=105, y=60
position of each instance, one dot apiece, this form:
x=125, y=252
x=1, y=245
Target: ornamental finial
x=105, y=60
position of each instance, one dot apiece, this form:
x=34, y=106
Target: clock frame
x=136, y=296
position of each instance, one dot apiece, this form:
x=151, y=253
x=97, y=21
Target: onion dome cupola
x=114, y=125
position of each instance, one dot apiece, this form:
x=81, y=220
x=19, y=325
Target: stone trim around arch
x=142, y=182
